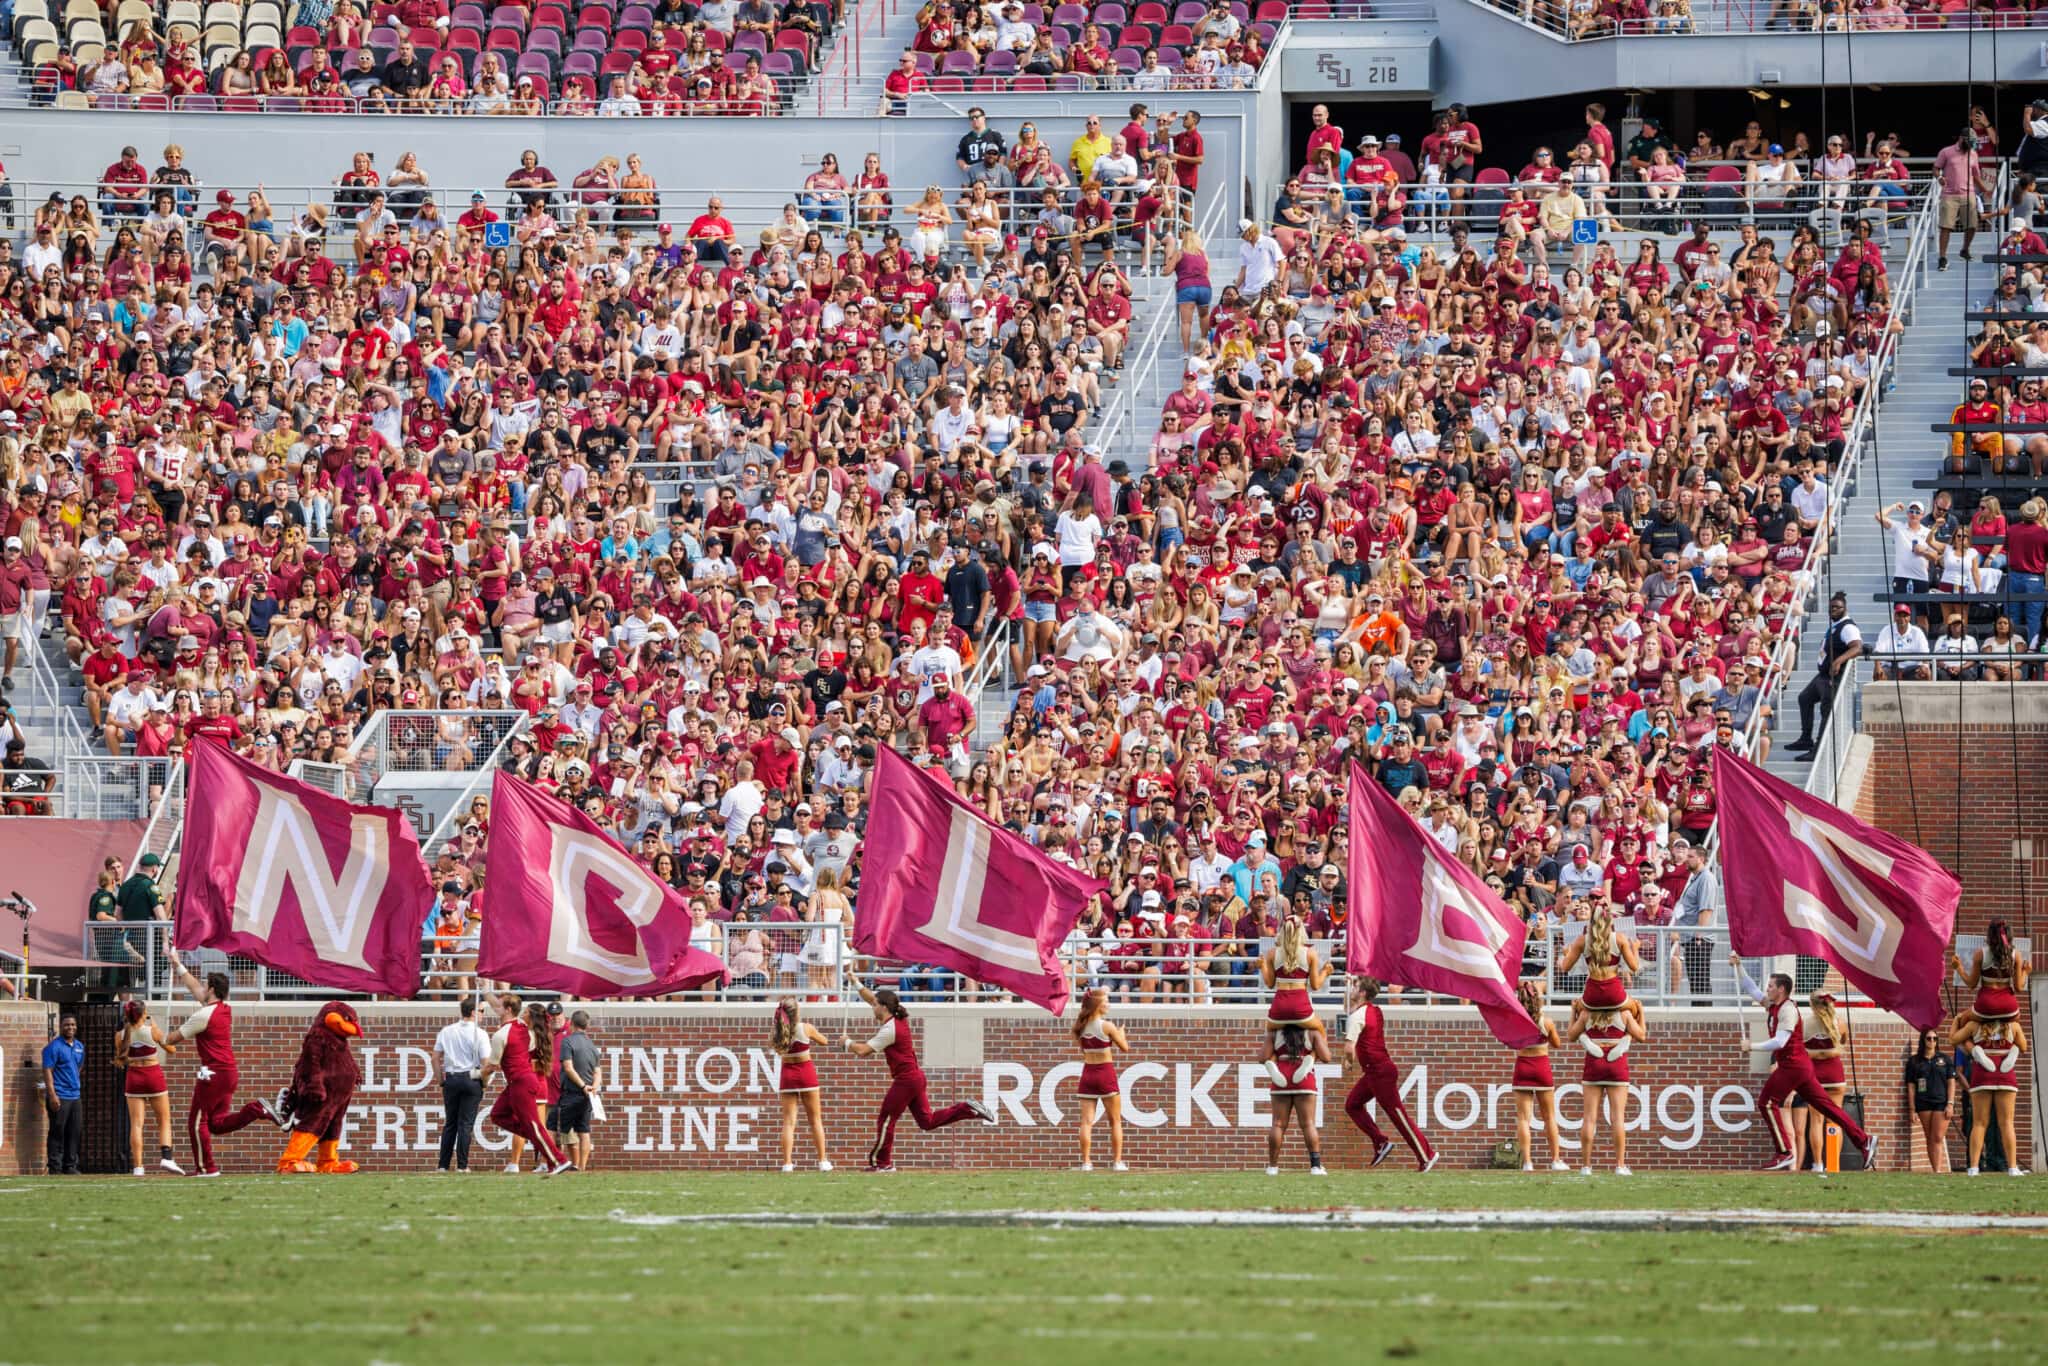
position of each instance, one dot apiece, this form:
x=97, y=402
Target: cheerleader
x=907, y=1086
x=1995, y=1047
x=1378, y=1079
x=1534, y=1085
x=1292, y=970
x=1606, y=1036
x=1605, y=956
x=798, y=1081
x=529, y=1051
x=1824, y=1046
x=1097, y=1036
x=139, y=1051
x=1996, y=973
x=1292, y=1053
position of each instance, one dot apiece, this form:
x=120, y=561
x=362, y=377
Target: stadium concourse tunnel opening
x=1926, y=118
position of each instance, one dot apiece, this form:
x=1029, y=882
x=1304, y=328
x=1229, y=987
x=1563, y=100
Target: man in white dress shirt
x=462, y=1048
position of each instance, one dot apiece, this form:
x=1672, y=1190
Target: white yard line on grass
x=1610, y=1220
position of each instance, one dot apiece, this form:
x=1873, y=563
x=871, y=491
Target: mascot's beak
x=342, y=1024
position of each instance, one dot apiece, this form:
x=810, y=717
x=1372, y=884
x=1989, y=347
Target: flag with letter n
x=566, y=908
x=1419, y=918
x=302, y=882
x=1801, y=876
x=940, y=884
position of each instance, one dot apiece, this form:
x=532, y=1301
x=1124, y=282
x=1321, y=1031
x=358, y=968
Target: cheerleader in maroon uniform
x=907, y=1087
x=211, y=1030
x=1605, y=957
x=1097, y=1036
x=1292, y=971
x=1996, y=973
x=139, y=1050
x=1379, y=1080
x=798, y=1081
x=1995, y=1048
x=529, y=1049
x=1606, y=1036
x=1292, y=1053
x=1824, y=1046
x=1535, y=1087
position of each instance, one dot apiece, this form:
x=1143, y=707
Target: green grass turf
x=421, y=1269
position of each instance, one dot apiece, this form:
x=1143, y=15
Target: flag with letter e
x=306, y=883
x=1419, y=918
x=940, y=884
x=567, y=909
x=1801, y=876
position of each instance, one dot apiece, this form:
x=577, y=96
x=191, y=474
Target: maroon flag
x=1419, y=918
x=567, y=909
x=940, y=884
x=1801, y=876
x=274, y=870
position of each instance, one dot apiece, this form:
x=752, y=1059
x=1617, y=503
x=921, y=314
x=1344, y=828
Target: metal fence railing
x=1683, y=967
x=1721, y=18
x=99, y=787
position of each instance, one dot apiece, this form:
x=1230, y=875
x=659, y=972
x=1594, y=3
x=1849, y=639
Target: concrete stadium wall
x=690, y=1088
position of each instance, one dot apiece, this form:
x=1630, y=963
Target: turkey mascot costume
x=323, y=1082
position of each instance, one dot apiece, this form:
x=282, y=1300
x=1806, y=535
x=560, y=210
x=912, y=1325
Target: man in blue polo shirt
x=63, y=1059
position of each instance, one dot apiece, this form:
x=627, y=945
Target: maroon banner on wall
x=689, y=1090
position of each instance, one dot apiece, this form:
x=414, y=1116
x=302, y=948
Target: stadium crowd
x=1520, y=534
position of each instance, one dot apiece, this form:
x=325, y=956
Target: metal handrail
x=1746, y=19
x=1683, y=966
x=451, y=822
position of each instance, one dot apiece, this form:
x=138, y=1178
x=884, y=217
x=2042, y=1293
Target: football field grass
x=973, y=1267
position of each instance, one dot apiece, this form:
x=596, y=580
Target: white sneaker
x=1087, y=1166
x=1121, y=1167
x=824, y=1165
x=1585, y=1171
x=1270, y=1171
x=1560, y=1165
x=512, y=1168
x=1972, y=1171
x=144, y=1171
x=1430, y=1165
x=789, y=1166
x=2016, y=1171
x=217, y=1173
x=440, y=1171
x=1528, y=1166
x=982, y=1112
x=1623, y=1171
x=562, y=1168
x=170, y=1164
x=1318, y=1170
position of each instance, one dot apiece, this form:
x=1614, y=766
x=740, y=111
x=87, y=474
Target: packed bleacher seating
x=725, y=513
x=599, y=57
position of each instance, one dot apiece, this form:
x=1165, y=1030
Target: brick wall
x=688, y=1089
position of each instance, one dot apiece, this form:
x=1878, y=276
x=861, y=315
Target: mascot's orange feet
x=294, y=1162
x=332, y=1163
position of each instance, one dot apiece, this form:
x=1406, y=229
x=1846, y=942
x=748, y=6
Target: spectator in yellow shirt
x=1087, y=148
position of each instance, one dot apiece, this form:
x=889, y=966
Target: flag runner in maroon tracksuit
x=211, y=1028
x=1792, y=1072
x=906, y=1080
x=1379, y=1080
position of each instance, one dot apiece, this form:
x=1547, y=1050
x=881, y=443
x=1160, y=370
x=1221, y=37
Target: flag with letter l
x=568, y=909
x=1802, y=876
x=940, y=884
x=1419, y=918
x=303, y=882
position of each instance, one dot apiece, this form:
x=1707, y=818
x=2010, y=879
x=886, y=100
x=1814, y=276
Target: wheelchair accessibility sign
x=500, y=235
x=1585, y=232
